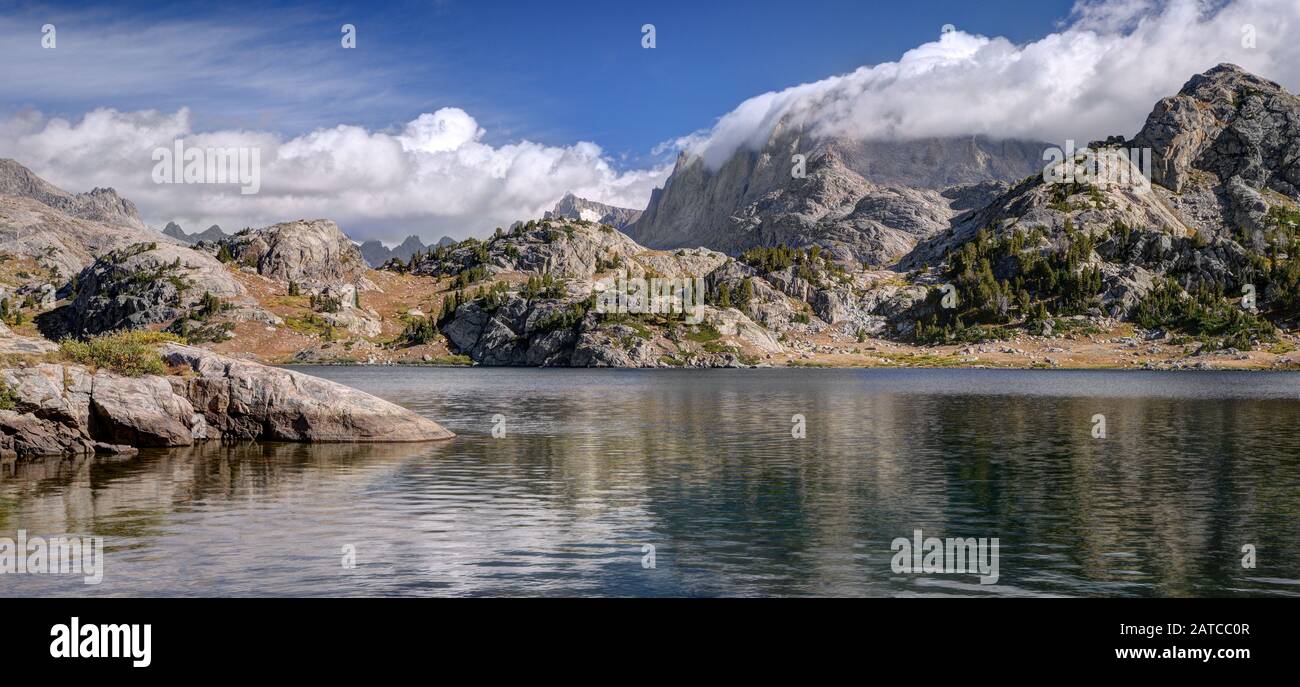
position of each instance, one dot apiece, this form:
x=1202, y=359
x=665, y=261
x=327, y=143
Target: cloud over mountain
x=1096, y=76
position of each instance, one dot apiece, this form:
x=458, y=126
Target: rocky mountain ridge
x=1217, y=220
x=573, y=207
x=101, y=205
x=376, y=253
x=212, y=234
x=63, y=257
x=864, y=201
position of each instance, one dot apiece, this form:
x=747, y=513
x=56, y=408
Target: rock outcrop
x=1222, y=144
x=142, y=284
x=142, y=412
x=1230, y=123
x=855, y=220
x=63, y=409
x=11, y=343
x=314, y=254
x=244, y=400
x=560, y=247
x=552, y=321
x=68, y=410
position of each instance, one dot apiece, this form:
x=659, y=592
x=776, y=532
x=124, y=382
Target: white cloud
x=447, y=129
x=1100, y=74
x=436, y=177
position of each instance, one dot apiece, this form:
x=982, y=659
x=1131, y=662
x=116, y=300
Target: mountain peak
x=866, y=200
x=573, y=207
x=376, y=253
x=212, y=234
x=1225, y=80
x=98, y=205
x=1230, y=123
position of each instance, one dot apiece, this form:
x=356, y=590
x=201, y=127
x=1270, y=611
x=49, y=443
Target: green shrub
x=203, y=332
x=543, y=287
x=450, y=304
x=128, y=353
x=1014, y=279
x=420, y=331
x=209, y=306
x=564, y=318
x=811, y=264
x=311, y=325
x=8, y=400
x=1276, y=270
x=469, y=276
x=326, y=304
x=704, y=333
x=449, y=360
x=1205, y=315
x=641, y=330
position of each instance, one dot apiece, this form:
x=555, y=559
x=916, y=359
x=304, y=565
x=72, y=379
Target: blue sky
x=456, y=116
x=552, y=72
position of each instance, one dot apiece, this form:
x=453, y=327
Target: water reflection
x=702, y=465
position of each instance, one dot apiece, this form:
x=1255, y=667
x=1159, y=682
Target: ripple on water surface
x=595, y=464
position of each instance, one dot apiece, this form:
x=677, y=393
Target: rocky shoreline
x=65, y=409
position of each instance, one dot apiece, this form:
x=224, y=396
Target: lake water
x=595, y=465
